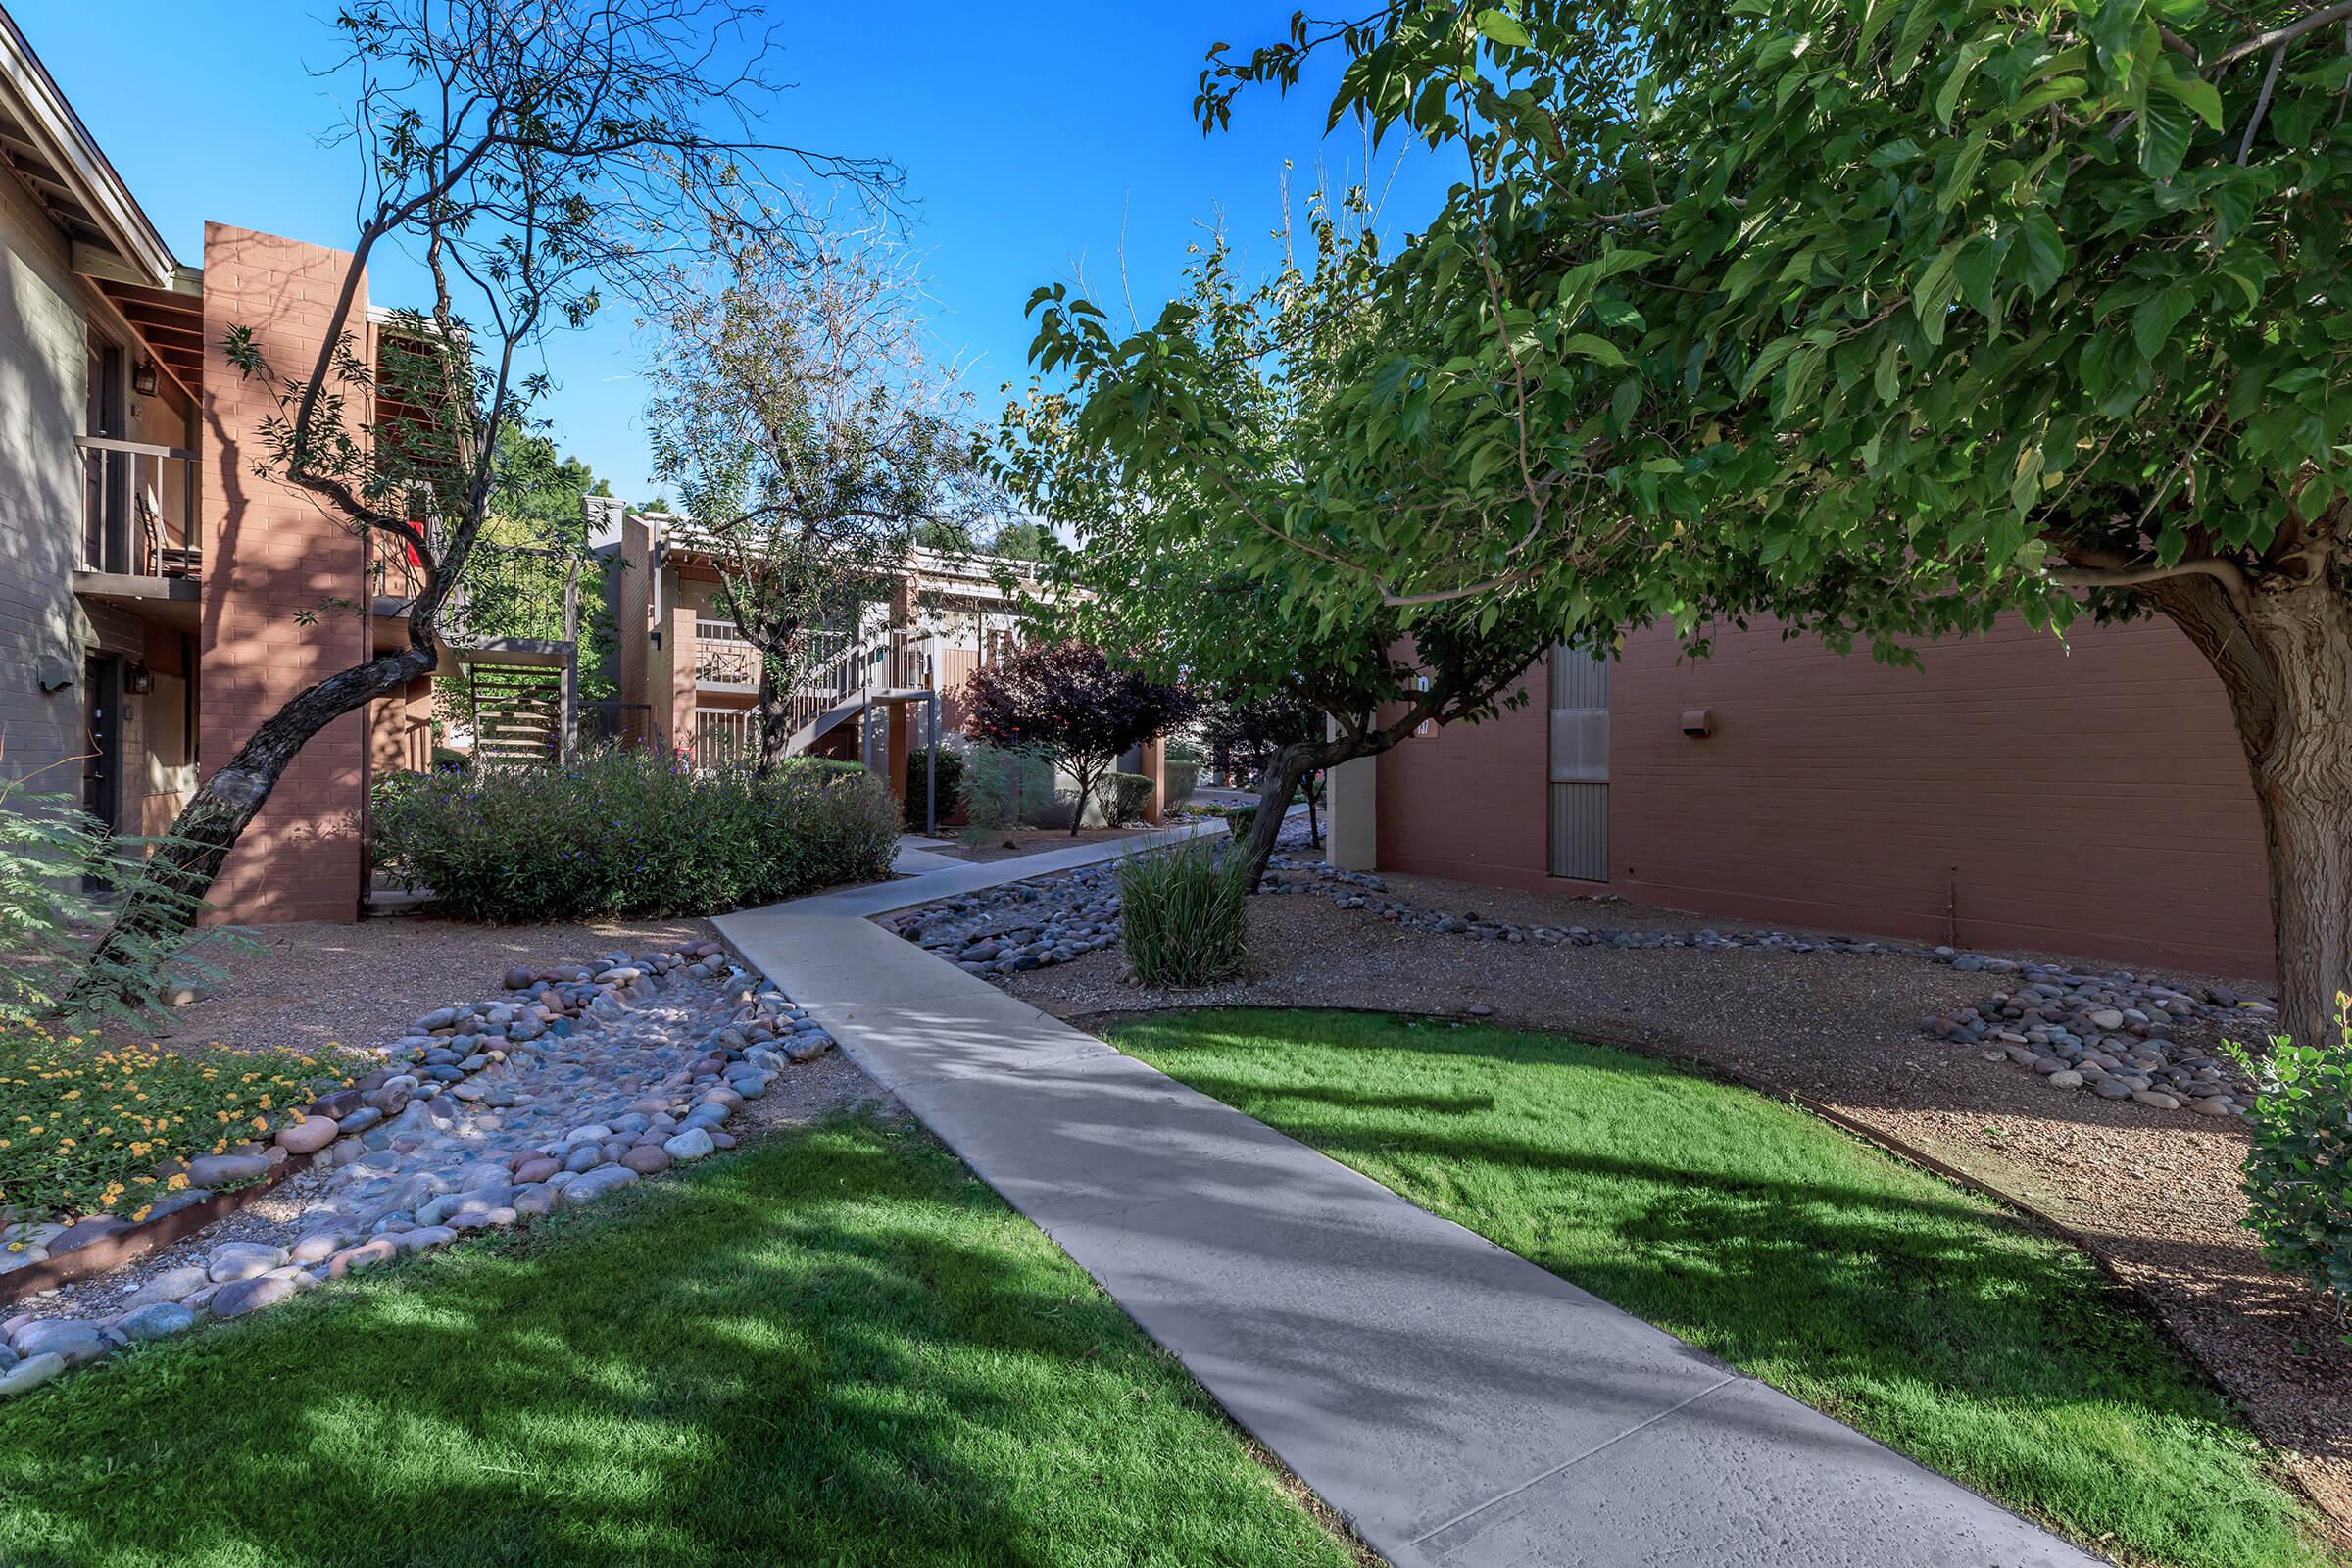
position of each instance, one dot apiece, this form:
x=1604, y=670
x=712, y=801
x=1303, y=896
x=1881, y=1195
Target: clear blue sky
x=1030, y=134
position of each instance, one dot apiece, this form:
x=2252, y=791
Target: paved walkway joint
x=1460, y=1407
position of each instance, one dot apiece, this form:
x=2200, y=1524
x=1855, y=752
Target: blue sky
x=1031, y=137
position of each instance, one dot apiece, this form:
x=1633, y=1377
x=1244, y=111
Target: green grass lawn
x=1926, y=1317
x=835, y=1347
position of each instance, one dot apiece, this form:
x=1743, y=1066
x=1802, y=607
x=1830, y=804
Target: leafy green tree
x=1876, y=319
x=1175, y=457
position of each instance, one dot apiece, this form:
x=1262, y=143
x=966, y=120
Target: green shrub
x=1185, y=915
x=83, y=1128
x=1240, y=819
x=1183, y=777
x=950, y=785
x=58, y=867
x=2298, y=1175
x=1003, y=788
x=631, y=833
x=1130, y=793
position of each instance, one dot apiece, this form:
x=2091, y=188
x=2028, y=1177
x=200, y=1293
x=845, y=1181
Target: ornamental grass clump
x=2299, y=1173
x=1185, y=915
x=83, y=1127
x=621, y=833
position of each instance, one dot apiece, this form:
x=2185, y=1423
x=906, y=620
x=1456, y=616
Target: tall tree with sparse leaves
x=534, y=156
x=810, y=437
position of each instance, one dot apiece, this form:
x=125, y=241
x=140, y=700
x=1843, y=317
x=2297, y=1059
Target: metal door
x=1580, y=764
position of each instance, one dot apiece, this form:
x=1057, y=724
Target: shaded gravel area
x=316, y=984
x=2154, y=1194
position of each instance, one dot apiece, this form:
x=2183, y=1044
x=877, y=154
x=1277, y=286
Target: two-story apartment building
x=688, y=681
x=157, y=598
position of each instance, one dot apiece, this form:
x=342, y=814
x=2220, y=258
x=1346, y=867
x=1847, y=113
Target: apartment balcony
x=141, y=546
x=724, y=662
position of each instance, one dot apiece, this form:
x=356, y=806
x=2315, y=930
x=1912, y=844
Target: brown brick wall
x=2086, y=797
x=271, y=554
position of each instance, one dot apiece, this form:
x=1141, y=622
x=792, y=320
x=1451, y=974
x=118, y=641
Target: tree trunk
x=1314, y=826
x=1291, y=764
x=2285, y=657
x=168, y=895
x=1086, y=787
x=774, y=735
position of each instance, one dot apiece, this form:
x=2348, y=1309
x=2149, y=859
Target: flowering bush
x=2298, y=1177
x=83, y=1127
x=631, y=833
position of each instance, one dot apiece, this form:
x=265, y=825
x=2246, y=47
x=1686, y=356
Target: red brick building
x=2084, y=797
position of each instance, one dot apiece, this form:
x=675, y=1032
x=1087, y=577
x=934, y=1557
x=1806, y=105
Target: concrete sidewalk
x=1458, y=1405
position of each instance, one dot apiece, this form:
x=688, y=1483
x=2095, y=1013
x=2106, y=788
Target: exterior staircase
x=518, y=713
x=890, y=668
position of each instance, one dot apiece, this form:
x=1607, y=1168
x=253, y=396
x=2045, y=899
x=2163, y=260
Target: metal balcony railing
x=139, y=509
x=526, y=593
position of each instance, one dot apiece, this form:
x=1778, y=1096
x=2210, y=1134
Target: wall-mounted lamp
x=143, y=378
x=138, y=680
x=1698, y=721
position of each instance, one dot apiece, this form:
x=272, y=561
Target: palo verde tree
x=808, y=435
x=1073, y=704
x=1880, y=318
x=1182, y=458
x=531, y=156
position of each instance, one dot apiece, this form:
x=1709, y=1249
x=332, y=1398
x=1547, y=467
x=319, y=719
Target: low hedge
x=83, y=1128
x=1130, y=793
x=628, y=833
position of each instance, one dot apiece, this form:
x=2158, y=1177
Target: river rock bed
x=577, y=1081
x=2113, y=1034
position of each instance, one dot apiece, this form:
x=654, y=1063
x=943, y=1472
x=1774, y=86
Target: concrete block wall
x=272, y=552
x=2086, y=797
x=43, y=374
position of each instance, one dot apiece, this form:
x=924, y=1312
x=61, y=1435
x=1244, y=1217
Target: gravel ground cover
x=571, y=1082
x=314, y=984
x=2153, y=1193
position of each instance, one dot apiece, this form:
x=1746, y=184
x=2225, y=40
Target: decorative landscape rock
x=2112, y=1034
x=580, y=1080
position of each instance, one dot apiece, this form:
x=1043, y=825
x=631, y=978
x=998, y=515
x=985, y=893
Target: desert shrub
x=1183, y=777
x=950, y=783
x=58, y=868
x=2299, y=1173
x=1130, y=793
x=1003, y=787
x=83, y=1128
x=1185, y=914
x=631, y=833
x=1240, y=819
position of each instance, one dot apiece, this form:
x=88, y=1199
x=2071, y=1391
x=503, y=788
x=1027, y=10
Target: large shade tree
x=811, y=436
x=1877, y=316
x=533, y=158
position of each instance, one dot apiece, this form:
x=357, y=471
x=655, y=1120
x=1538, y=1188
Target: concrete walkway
x=1458, y=1405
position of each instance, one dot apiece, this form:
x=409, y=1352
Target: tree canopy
x=1876, y=319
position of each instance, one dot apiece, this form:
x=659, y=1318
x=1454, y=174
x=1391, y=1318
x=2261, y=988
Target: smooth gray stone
x=159, y=1321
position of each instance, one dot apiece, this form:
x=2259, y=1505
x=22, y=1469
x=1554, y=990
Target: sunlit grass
x=835, y=1347
x=1926, y=1316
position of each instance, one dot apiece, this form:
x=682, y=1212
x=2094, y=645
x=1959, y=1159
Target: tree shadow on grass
x=841, y=1350
x=1952, y=1329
